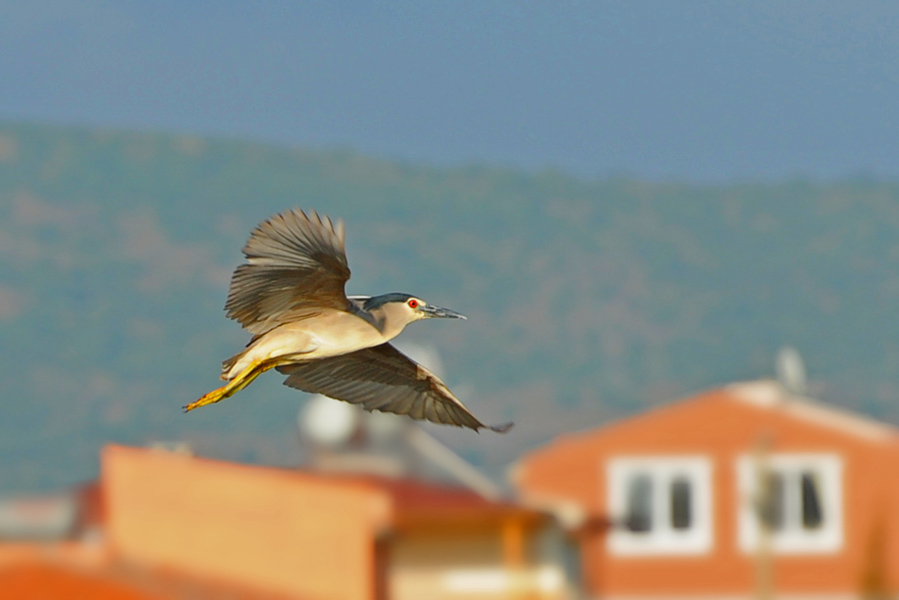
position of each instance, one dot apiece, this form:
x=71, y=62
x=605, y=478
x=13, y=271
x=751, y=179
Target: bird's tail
x=239, y=382
x=228, y=364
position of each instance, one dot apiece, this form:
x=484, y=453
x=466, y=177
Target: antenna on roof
x=791, y=370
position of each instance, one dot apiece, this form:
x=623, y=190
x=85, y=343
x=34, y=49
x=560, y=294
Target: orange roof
x=47, y=582
x=770, y=395
x=416, y=501
x=718, y=409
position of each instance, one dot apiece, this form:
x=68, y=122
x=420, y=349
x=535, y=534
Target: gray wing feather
x=296, y=263
x=383, y=378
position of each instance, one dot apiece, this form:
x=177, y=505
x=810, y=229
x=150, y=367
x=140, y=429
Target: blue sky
x=698, y=91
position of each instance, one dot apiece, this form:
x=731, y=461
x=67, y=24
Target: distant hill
x=586, y=300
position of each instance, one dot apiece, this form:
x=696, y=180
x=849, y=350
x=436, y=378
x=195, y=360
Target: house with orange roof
x=745, y=491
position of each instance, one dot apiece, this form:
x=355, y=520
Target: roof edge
x=771, y=395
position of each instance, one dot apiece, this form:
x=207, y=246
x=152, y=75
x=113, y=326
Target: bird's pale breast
x=330, y=333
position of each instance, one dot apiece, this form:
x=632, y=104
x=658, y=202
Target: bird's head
x=398, y=310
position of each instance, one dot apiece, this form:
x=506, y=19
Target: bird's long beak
x=438, y=312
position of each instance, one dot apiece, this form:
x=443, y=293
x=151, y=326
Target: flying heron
x=290, y=296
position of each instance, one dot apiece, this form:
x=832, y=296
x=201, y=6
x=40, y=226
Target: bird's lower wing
x=383, y=378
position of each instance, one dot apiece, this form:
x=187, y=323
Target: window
x=798, y=497
x=639, y=504
x=811, y=503
x=680, y=503
x=660, y=505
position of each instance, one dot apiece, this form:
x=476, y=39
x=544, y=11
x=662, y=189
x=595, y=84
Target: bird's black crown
x=379, y=301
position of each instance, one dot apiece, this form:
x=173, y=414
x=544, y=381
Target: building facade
x=746, y=491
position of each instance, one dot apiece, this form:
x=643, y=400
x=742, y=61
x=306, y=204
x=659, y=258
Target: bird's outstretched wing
x=296, y=263
x=383, y=378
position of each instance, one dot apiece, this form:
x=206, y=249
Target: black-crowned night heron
x=290, y=296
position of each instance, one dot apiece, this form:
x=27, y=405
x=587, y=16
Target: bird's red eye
x=413, y=303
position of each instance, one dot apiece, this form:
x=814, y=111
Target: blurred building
x=747, y=491
x=166, y=524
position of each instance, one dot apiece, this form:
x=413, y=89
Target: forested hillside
x=586, y=300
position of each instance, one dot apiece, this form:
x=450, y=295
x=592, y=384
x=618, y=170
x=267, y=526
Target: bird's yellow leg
x=242, y=380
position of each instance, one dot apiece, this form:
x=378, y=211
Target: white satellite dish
x=426, y=356
x=791, y=370
x=383, y=427
x=328, y=422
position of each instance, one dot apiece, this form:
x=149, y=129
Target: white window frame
x=662, y=539
x=793, y=539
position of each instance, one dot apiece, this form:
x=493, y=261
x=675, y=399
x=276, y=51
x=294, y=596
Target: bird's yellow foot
x=242, y=380
x=210, y=398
